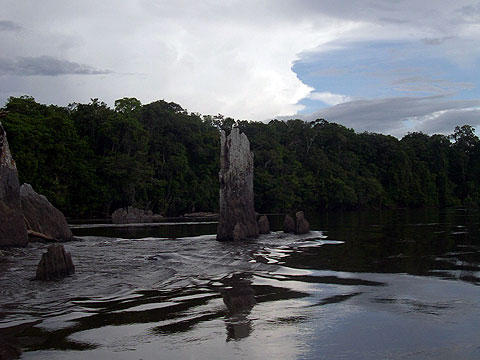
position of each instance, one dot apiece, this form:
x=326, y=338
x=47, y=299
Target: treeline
x=90, y=159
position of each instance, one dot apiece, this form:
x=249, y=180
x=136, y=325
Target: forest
x=90, y=159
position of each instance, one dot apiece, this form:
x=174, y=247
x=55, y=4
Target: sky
x=388, y=66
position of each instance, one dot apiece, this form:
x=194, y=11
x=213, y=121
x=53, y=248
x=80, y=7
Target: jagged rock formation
x=42, y=219
x=12, y=226
x=263, y=225
x=288, y=224
x=237, y=219
x=55, y=264
x=132, y=215
x=302, y=225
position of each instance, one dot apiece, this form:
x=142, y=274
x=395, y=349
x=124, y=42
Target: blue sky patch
x=366, y=70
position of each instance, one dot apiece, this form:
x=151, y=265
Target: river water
x=370, y=285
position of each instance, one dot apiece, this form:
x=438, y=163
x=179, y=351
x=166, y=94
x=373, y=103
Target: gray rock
x=237, y=219
x=288, y=224
x=55, y=264
x=42, y=219
x=302, y=225
x=119, y=214
x=12, y=227
x=263, y=225
x=133, y=215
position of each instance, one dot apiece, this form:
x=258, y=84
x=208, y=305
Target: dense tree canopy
x=90, y=159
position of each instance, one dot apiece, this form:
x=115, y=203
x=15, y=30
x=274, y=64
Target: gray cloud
x=445, y=122
x=399, y=115
x=470, y=13
x=439, y=16
x=393, y=21
x=45, y=65
x=437, y=41
x=427, y=85
x=6, y=25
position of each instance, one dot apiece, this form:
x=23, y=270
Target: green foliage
x=50, y=155
x=90, y=159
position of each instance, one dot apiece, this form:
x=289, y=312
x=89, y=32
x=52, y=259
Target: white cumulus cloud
x=230, y=57
x=329, y=98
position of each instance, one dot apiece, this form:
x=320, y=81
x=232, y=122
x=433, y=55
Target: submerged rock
x=288, y=224
x=237, y=219
x=302, y=226
x=263, y=225
x=43, y=220
x=12, y=227
x=55, y=264
x=132, y=215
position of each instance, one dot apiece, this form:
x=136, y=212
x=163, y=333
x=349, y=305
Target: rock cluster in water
x=302, y=226
x=132, y=215
x=12, y=227
x=288, y=224
x=237, y=220
x=42, y=219
x=263, y=225
x=55, y=264
x=298, y=226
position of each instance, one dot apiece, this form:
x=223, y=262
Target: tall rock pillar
x=12, y=226
x=237, y=219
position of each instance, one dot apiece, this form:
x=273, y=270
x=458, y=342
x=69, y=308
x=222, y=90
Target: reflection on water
x=239, y=297
x=373, y=285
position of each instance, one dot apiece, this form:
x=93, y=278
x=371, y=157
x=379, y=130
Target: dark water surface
x=373, y=285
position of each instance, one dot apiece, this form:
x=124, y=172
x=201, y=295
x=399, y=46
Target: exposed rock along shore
x=43, y=220
x=132, y=214
x=12, y=226
x=23, y=212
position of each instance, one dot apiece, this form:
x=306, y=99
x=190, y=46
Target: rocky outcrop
x=133, y=215
x=288, y=224
x=237, y=219
x=263, y=225
x=55, y=264
x=43, y=220
x=302, y=226
x=12, y=226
